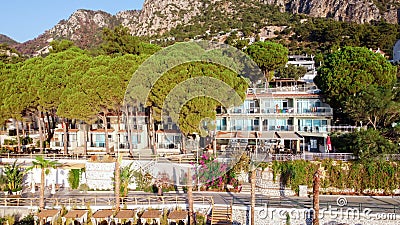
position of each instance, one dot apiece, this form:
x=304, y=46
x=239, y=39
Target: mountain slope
x=359, y=11
x=4, y=39
x=160, y=16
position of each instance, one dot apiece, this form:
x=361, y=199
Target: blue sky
x=23, y=20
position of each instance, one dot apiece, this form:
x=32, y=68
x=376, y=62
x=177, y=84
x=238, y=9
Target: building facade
x=288, y=113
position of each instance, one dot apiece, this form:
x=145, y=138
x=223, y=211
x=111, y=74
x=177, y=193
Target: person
x=159, y=191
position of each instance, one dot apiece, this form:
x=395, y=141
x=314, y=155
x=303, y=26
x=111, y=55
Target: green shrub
x=73, y=178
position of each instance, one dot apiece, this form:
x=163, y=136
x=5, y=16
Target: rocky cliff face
x=83, y=27
x=158, y=16
x=359, y=11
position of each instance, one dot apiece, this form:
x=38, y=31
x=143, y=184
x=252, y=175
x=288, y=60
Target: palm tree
x=117, y=184
x=126, y=176
x=190, y=197
x=252, y=194
x=316, y=186
x=14, y=176
x=45, y=166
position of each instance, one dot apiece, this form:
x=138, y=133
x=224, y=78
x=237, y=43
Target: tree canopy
x=349, y=71
x=291, y=71
x=194, y=110
x=119, y=41
x=365, y=144
x=268, y=56
x=376, y=106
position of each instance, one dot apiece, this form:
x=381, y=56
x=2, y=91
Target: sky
x=23, y=20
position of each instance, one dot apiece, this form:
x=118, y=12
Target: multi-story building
x=290, y=114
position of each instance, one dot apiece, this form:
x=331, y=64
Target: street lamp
x=197, y=139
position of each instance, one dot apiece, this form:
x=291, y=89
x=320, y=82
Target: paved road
x=374, y=203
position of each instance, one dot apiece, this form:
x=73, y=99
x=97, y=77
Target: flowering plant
x=211, y=173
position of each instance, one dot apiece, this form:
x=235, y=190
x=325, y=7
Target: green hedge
x=359, y=175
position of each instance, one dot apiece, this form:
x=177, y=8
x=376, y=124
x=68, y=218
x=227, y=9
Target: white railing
x=296, y=128
x=315, y=111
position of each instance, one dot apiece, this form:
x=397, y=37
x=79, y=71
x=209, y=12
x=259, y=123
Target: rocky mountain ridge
x=159, y=16
x=4, y=39
x=359, y=11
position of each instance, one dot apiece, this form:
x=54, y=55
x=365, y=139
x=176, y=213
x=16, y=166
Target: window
x=136, y=139
x=72, y=137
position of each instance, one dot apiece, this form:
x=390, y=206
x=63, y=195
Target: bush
x=27, y=220
x=359, y=175
x=365, y=144
x=73, y=178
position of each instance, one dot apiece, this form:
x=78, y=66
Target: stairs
x=246, y=188
x=221, y=215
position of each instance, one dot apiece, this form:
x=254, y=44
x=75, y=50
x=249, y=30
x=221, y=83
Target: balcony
x=314, y=129
x=168, y=146
x=60, y=144
x=279, y=128
x=126, y=146
x=255, y=110
x=286, y=89
x=316, y=111
x=328, y=129
x=98, y=144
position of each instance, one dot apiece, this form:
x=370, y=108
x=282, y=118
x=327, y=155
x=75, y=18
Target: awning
x=267, y=135
x=48, y=213
x=246, y=135
x=75, y=214
x=151, y=214
x=178, y=215
x=125, y=214
x=260, y=135
x=289, y=135
x=225, y=135
x=105, y=213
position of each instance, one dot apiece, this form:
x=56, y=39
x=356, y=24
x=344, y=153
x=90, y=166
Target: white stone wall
x=99, y=176
x=56, y=176
x=274, y=216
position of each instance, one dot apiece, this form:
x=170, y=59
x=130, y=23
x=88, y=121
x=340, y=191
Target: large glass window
x=100, y=140
x=221, y=124
x=316, y=125
x=308, y=105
